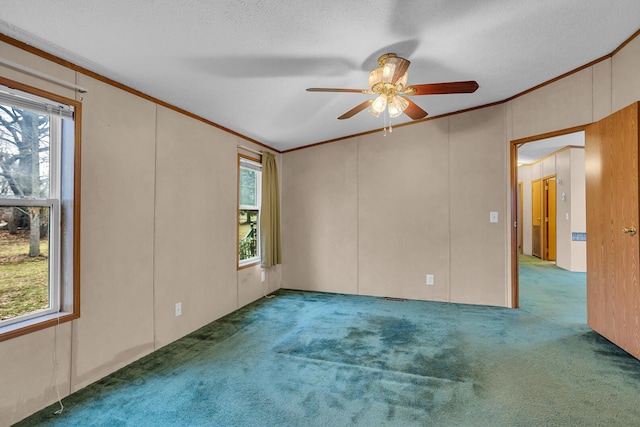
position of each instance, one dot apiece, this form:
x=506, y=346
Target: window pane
x=248, y=234
x=248, y=187
x=24, y=153
x=24, y=261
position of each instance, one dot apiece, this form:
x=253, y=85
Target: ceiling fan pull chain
x=384, y=117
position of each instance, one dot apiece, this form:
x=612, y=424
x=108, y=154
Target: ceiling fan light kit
x=389, y=81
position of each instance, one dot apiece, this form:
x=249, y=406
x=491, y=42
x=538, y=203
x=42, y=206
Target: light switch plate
x=493, y=217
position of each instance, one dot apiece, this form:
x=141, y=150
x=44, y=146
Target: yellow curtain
x=270, y=245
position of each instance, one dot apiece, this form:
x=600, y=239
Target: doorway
x=549, y=235
x=536, y=218
x=547, y=186
x=543, y=218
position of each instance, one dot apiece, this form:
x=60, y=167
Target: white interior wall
x=564, y=214
x=578, y=210
x=525, y=175
x=568, y=167
x=548, y=167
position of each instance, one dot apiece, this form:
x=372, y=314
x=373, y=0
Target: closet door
x=613, y=249
x=536, y=218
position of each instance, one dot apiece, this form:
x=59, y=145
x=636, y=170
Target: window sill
x=249, y=264
x=36, y=324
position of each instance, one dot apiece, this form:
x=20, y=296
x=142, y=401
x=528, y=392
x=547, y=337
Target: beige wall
x=560, y=105
x=479, y=172
x=403, y=212
x=158, y=226
x=336, y=224
x=117, y=209
x=452, y=189
x=374, y=215
x=625, y=69
x=195, y=230
x=319, y=218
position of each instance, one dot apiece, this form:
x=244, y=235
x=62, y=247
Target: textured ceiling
x=245, y=64
x=537, y=150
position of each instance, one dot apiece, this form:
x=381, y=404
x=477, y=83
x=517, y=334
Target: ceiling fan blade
x=401, y=66
x=329, y=89
x=414, y=111
x=356, y=110
x=442, y=88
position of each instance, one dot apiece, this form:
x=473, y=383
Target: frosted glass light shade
x=375, y=77
x=387, y=72
x=397, y=106
x=379, y=104
x=373, y=112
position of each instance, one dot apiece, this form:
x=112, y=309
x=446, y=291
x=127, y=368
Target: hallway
x=551, y=292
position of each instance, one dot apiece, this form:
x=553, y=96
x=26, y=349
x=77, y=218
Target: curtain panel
x=271, y=251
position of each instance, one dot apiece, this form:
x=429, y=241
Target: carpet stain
x=315, y=359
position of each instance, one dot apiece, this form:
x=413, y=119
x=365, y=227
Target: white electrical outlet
x=178, y=309
x=263, y=276
x=430, y=279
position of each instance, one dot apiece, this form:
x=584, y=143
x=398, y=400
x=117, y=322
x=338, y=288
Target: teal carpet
x=314, y=359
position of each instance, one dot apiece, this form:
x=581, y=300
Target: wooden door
x=520, y=218
x=536, y=218
x=549, y=225
x=613, y=251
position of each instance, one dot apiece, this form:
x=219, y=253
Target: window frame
x=53, y=204
x=64, y=211
x=250, y=262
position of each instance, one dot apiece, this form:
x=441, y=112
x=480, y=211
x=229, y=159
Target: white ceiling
x=536, y=150
x=245, y=64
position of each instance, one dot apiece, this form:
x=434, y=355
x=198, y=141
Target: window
x=38, y=276
x=249, y=199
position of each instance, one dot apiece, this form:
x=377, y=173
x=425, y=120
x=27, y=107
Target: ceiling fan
x=389, y=83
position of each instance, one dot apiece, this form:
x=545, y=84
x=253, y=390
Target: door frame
x=537, y=187
x=520, y=216
x=549, y=219
x=513, y=195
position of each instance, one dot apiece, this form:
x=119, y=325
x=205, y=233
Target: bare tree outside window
x=24, y=222
x=24, y=168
